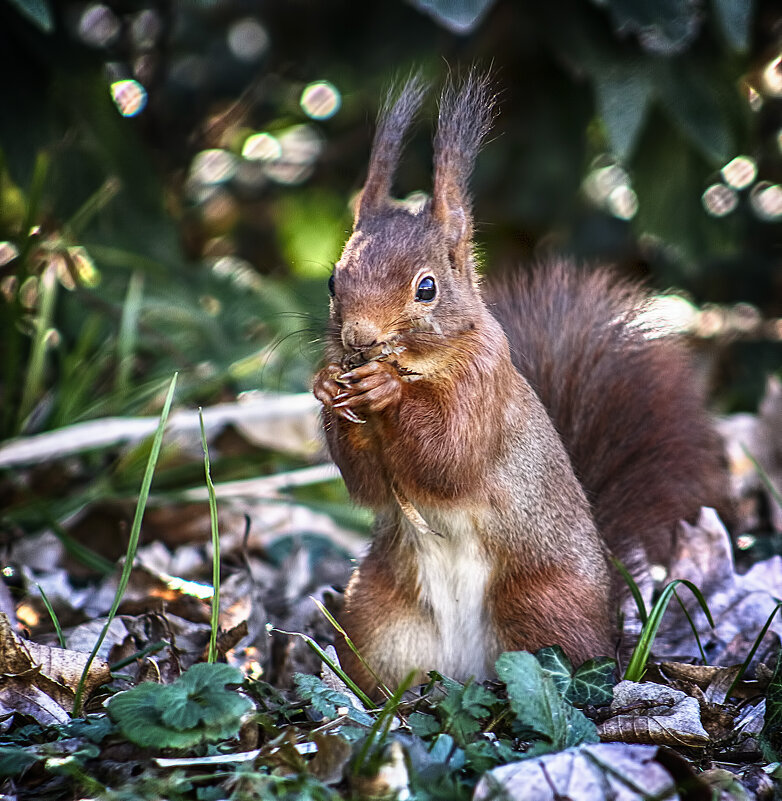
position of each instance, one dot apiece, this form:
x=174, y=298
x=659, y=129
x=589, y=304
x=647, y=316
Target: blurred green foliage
x=170, y=199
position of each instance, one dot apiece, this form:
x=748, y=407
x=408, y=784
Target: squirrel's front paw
x=371, y=387
x=327, y=389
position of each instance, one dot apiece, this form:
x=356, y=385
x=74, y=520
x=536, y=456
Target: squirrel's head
x=407, y=276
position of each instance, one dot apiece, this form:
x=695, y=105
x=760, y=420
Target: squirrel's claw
x=371, y=387
x=373, y=394
x=363, y=371
x=347, y=414
x=325, y=391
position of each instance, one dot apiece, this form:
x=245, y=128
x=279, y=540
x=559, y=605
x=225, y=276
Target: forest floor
x=107, y=690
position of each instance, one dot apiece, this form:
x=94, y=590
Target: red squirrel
x=509, y=439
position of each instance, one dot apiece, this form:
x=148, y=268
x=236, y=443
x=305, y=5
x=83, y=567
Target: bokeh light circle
x=320, y=100
x=766, y=200
x=739, y=172
x=719, y=200
x=261, y=147
x=129, y=96
x=248, y=39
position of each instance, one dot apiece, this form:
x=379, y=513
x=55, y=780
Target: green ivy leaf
x=593, y=683
x=37, y=11
x=554, y=661
x=541, y=712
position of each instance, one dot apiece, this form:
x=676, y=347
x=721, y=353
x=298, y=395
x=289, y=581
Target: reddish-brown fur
x=391, y=589
x=628, y=406
x=484, y=529
x=532, y=605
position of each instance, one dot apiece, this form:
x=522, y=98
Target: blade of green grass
x=635, y=590
x=637, y=665
x=215, y=544
x=746, y=663
x=381, y=726
x=324, y=657
x=53, y=616
x=135, y=530
x=335, y=623
x=692, y=626
x=152, y=648
x=80, y=371
x=36, y=367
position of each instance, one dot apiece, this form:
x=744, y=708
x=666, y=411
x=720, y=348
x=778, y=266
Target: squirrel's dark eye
x=331, y=285
x=426, y=289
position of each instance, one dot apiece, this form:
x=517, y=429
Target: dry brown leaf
x=39, y=553
x=148, y=591
x=653, y=714
x=226, y=640
x=25, y=698
x=83, y=637
x=66, y=600
x=708, y=683
x=739, y=604
x=702, y=675
x=752, y=719
x=721, y=682
x=241, y=599
x=53, y=671
x=295, y=428
x=180, y=524
x=603, y=772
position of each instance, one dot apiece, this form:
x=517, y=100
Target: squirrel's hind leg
x=553, y=606
x=383, y=620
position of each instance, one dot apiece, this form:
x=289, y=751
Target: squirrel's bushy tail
x=626, y=403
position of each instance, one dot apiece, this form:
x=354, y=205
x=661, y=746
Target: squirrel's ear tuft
x=466, y=114
x=394, y=119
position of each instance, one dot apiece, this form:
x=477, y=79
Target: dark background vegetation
x=132, y=246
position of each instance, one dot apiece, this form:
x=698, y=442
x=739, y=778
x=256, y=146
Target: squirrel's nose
x=360, y=334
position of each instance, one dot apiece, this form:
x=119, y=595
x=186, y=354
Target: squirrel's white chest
x=453, y=573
